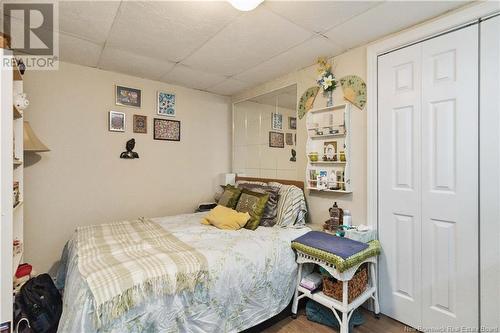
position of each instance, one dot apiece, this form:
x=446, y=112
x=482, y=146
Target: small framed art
x=140, y=124
x=116, y=121
x=292, y=123
x=165, y=104
x=289, y=139
x=126, y=96
x=276, y=140
x=166, y=129
x=277, y=121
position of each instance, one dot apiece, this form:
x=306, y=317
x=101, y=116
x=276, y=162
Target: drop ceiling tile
x=90, y=20
x=133, y=64
x=251, y=39
x=79, y=51
x=298, y=57
x=319, y=16
x=229, y=87
x=188, y=77
x=387, y=18
x=168, y=30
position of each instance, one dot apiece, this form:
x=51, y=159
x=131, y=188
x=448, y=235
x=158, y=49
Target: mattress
x=251, y=278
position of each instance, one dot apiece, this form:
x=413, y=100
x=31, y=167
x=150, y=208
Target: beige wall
x=252, y=155
x=351, y=62
x=83, y=181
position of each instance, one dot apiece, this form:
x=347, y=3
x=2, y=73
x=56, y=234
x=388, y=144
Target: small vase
x=329, y=96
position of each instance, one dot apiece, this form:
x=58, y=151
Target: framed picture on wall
x=116, y=122
x=165, y=104
x=292, y=123
x=277, y=121
x=126, y=96
x=289, y=139
x=140, y=124
x=276, y=140
x=166, y=129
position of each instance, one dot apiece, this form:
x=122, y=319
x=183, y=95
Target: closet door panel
x=490, y=175
x=450, y=179
x=399, y=184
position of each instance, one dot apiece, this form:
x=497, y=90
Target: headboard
x=297, y=183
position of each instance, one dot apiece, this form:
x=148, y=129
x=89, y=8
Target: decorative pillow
x=230, y=196
x=253, y=203
x=226, y=218
x=292, y=207
x=239, y=182
x=271, y=211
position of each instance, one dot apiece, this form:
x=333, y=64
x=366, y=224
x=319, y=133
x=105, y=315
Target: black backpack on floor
x=42, y=303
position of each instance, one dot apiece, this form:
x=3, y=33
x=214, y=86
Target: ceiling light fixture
x=245, y=5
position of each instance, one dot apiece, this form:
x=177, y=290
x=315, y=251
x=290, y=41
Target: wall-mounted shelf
x=323, y=175
x=326, y=136
x=327, y=190
x=17, y=163
x=329, y=108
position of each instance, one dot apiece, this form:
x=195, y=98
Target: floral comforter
x=251, y=278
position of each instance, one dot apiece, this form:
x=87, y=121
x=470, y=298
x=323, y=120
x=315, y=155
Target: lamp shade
x=31, y=141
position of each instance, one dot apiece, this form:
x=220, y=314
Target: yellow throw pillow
x=226, y=218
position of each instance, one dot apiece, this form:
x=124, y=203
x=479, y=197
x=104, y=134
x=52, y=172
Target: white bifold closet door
x=490, y=174
x=428, y=181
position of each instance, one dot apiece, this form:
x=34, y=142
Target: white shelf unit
x=11, y=157
x=326, y=126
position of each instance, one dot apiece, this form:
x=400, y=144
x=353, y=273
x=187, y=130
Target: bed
x=251, y=278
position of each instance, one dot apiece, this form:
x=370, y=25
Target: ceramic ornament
x=354, y=89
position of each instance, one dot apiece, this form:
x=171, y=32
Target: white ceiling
x=209, y=45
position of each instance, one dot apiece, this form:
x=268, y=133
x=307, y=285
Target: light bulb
x=245, y=5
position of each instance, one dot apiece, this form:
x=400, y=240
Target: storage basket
x=357, y=285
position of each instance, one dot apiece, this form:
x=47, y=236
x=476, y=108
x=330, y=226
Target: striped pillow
x=292, y=207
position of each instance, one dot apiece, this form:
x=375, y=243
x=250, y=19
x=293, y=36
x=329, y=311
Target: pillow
x=292, y=207
x=226, y=218
x=271, y=211
x=253, y=203
x=230, y=196
x=240, y=182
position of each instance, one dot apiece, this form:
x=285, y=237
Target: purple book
x=340, y=246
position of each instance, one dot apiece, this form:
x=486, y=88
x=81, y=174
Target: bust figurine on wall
x=130, y=153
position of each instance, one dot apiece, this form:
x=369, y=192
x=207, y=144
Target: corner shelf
x=338, y=173
x=17, y=113
x=16, y=73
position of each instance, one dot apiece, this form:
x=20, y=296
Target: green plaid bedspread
x=124, y=263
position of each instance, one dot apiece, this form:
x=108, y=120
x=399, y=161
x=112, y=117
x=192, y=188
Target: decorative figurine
x=294, y=156
x=130, y=153
x=21, y=101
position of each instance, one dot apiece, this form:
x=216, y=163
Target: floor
x=372, y=325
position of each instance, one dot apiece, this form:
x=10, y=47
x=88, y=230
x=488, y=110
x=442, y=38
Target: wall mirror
x=265, y=135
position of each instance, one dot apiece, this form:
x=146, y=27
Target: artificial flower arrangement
x=326, y=79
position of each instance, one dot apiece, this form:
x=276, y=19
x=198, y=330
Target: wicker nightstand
x=347, y=308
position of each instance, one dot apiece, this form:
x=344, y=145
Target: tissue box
x=312, y=281
x=361, y=236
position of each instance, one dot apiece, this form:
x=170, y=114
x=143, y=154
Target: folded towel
x=342, y=247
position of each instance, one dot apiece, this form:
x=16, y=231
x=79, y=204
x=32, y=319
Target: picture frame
x=116, y=121
x=292, y=123
x=140, y=124
x=330, y=150
x=289, y=139
x=165, y=104
x=166, y=129
x=276, y=140
x=277, y=121
x=127, y=96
